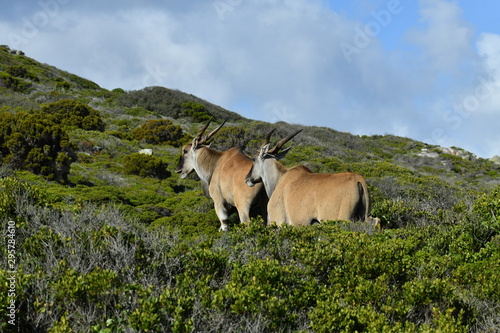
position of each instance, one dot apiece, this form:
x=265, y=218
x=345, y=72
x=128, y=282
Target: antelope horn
x=280, y=144
x=204, y=128
x=209, y=135
x=268, y=136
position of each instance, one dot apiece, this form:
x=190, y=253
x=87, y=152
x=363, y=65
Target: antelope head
x=263, y=168
x=187, y=161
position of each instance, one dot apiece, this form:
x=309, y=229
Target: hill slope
x=109, y=239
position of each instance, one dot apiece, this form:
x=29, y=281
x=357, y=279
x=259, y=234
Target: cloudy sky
x=424, y=69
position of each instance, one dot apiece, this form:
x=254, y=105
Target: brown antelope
x=299, y=197
x=222, y=175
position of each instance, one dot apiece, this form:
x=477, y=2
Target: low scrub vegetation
x=93, y=269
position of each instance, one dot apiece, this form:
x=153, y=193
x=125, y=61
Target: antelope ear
x=263, y=150
x=282, y=153
x=194, y=144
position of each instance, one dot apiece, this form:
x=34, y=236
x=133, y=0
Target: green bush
x=70, y=112
x=196, y=111
x=21, y=71
x=138, y=112
x=12, y=189
x=161, y=131
x=13, y=83
x=34, y=142
x=192, y=214
x=83, y=83
x=118, y=91
x=229, y=137
x=145, y=166
x=63, y=85
x=487, y=207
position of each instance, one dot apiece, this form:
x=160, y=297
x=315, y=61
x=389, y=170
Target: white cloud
x=446, y=38
x=488, y=91
x=489, y=48
x=469, y=118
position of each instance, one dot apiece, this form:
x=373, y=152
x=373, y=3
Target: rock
x=458, y=152
x=16, y=52
x=495, y=159
x=146, y=151
x=426, y=153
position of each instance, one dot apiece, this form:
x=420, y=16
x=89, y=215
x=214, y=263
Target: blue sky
x=424, y=69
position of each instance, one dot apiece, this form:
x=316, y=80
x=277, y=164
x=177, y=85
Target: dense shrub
x=63, y=85
x=34, y=142
x=12, y=189
x=21, y=72
x=192, y=214
x=145, y=166
x=118, y=91
x=70, y=112
x=161, y=131
x=196, y=111
x=138, y=112
x=13, y=83
x=83, y=83
x=229, y=137
x=403, y=198
x=487, y=207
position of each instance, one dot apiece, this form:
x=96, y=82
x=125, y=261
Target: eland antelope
x=298, y=196
x=222, y=175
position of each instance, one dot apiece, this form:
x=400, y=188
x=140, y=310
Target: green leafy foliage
x=11, y=189
x=487, y=207
x=161, y=131
x=70, y=112
x=83, y=83
x=35, y=143
x=20, y=71
x=322, y=278
x=196, y=111
x=13, y=83
x=192, y=214
x=145, y=166
x=232, y=136
x=63, y=85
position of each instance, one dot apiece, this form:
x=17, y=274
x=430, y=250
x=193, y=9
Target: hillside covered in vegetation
x=101, y=237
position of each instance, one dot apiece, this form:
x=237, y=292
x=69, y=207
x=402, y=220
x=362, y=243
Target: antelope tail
x=364, y=203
